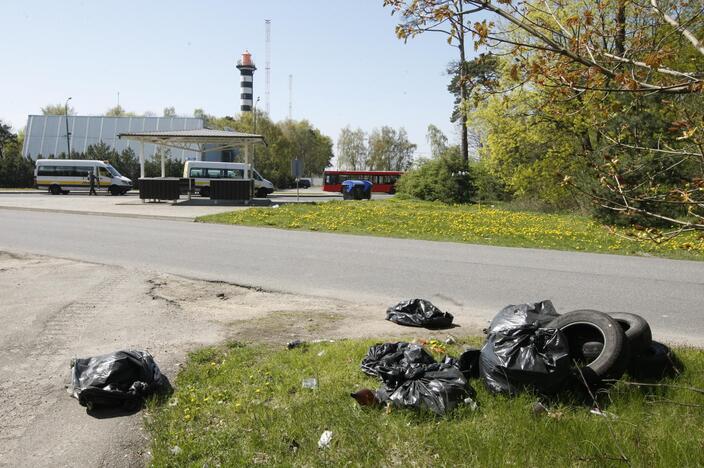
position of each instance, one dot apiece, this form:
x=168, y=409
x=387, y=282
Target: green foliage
x=488, y=187
x=352, y=149
x=437, y=141
x=57, y=109
x=15, y=170
x=446, y=179
x=119, y=111
x=285, y=140
x=170, y=111
x=390, y=150
x=530, y=152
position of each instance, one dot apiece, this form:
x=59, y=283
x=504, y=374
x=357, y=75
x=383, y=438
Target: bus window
x=196, y=172
x=234, y=173
x=256, y=175
x=102, y=172
x=213, y=173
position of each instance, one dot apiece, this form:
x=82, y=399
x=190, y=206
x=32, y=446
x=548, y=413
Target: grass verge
x=460, y=223
x=245, y=405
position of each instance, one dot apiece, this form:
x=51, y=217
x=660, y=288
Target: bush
x=16, y=171
x=488, y=186
x=446, y=179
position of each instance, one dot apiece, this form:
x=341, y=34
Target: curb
x=100, y=213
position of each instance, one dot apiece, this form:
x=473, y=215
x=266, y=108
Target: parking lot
x=130, y=205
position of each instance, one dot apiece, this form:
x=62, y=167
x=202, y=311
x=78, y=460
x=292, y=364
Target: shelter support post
x=141, y=160
x=247, y=169
x=163, y=164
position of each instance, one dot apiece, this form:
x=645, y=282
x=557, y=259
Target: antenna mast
x=267, y=67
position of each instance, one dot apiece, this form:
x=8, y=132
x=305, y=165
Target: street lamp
x=68, y=134
x=254, y=147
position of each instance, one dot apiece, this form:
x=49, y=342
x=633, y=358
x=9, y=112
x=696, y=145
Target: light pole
x=68, y=134
x=254, y=147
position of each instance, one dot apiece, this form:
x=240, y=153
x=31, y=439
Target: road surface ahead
x=471, y=281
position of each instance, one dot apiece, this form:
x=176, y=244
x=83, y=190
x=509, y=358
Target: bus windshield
x=113, y=171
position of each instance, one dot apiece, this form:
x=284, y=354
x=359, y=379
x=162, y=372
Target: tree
x=437, y=141
x=57, y=109
x=307, y=143
x=119, y=111
x=443, y=16
x=170, y=111
x=390, y=150
x=352, y=149
x=444, y=179
x=615, y=59
x=15, y=170
x=6, y=137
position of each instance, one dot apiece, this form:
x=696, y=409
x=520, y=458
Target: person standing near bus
x=91, y=176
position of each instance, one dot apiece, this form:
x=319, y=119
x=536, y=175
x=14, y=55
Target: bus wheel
x=114, y=190
x=205, y=192
x=55, y=190
x=261, y=193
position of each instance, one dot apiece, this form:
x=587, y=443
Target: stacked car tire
x=605, y=346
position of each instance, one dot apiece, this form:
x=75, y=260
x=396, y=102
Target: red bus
x=384, y=181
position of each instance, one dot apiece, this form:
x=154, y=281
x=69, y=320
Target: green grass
x=244, y=405
x=461, y=223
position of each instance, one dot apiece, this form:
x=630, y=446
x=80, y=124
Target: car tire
x=205, y=192
x=637, y=331
x=584, y=326
x=655, y=363
x=260, y=193
x=55, y=190
x=114, y=190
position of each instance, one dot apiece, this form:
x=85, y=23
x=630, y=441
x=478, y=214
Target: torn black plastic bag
x=525, y=358
x=413, y=379
x=419, y=313
x=118, y=380
x=510, y=317
x=438, y=388
x=390, y=361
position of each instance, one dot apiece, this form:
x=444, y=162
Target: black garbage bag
x=117, y=380
x=525, y=358
x=510, y=317
x=413, y=379
x=419, y=313
x=438, y=388
x=467, y=363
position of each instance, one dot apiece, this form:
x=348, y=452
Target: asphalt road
x=471, y=281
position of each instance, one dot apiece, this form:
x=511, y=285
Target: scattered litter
x=175, y=450
x=221, y=296
x=274, y=206
x=419, y=313
x=325, y=439
x=322, y=353
x=366, y=397
x=539, y=409
x=603, y=414
x=450, y=340
x=472, y=403
x=295, y=344
x=311, y=382
x=120, y=379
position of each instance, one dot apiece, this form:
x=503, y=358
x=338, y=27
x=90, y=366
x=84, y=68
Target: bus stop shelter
x=200, y=140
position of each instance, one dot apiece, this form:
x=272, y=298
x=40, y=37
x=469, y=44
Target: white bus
x=62, y=175
x=205, y=171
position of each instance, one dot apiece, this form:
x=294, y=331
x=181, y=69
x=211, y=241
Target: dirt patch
x=55, y=309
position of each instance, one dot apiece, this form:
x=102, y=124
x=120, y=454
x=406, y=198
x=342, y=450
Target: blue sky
x=347, y=65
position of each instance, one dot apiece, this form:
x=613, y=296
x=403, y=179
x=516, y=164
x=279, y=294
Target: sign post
x=297, y=172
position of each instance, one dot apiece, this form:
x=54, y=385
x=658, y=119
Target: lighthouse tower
x=246, y=67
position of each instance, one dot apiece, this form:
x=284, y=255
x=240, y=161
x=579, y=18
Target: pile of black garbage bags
x=528, y=347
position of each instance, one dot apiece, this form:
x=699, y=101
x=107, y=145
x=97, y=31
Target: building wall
x=46, y=134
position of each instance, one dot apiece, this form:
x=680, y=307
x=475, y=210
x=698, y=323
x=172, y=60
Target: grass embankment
x=241, y=406
x=460, y=223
